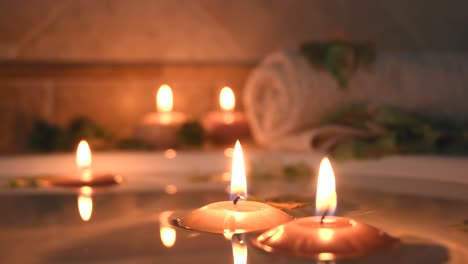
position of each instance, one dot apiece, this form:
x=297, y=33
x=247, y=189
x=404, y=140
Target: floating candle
x=84, y=176
x=237, y=215
x=160, y=129
x=227, y=125
x=324, y=237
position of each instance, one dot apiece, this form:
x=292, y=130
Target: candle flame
x=167, y=233
x=325, y=202
x=83, y=155
x=164, y=99
x=238, y=178
x=85, y=203
x=239, y=251
x=227, y=100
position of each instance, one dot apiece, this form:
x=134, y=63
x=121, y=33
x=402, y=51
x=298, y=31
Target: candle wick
x=323, y=215
x=236, y=200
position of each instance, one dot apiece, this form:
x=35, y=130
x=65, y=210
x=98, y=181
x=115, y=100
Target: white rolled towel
x=285, y=97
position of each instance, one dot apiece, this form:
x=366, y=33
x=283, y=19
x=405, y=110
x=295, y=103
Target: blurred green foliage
x=396, y=131
x=46, y=137
x=191, y=134
x=340, y=58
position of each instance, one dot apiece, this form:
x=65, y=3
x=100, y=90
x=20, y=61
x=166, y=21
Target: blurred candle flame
x=83, y=160
x=325, y=234
x=238, y=178
x=85, y=203
x=164, y=99
x=325, y=201
x=83, y=155
x=166, y=231
x=239, y=250
x=227, y=100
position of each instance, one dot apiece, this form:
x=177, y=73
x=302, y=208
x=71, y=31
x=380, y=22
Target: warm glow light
x=85, y=203
x=239, y=251
x=228, y=152
x=227, y=100
x=328, y=257
x=167, y=233
x=325, y=234
x=170, y=153
x=83, y=155
x=326, y=192
x=238, y=179
x=164, y=99
x=228, y=235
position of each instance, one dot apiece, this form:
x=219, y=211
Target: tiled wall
x=214, y=30
x=115, y=96
x=195, y=46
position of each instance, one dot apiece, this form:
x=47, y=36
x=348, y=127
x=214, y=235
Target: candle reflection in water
x=85, y=203
x=166, y=231
x=83, y=162
x=239, y=249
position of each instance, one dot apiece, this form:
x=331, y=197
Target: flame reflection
x=239, y=249
x=326, y=192
x=325, y=234
x=85, y=203
x=166, y=231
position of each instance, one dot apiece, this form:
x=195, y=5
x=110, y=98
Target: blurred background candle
x=159, y=129
x=84, y=177
x=227, y=125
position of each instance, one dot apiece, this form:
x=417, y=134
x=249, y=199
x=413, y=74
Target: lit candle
x=324, y=237
x=236, y=215
x=160, y=129
x=227, y=125
x=84, y=176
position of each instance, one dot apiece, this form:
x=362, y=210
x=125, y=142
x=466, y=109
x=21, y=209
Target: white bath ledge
x=445, y=170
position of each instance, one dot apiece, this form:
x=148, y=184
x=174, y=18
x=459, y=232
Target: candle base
x=227, y=217
x=335, y=238
x=225, y=127
x=160, y=130
x=97, y=180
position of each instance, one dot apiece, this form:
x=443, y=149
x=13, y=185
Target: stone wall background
x=106, y=58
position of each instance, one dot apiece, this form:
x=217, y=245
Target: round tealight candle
x=236, y=216
x=334, y=238
x=227, y=217
x=226, y=126
x=324, y=237
x=160, y=129
x=85, y=176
